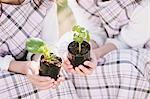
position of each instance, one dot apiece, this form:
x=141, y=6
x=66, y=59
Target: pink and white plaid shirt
x=113, y=14
x=19, y=22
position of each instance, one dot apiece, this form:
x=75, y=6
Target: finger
x=54, y=86
x=39, y=78
x=46, y=87
x=66, y=60
x=85, y=70
x=36, y=72
x=72, y=71
x=90, y=64
x=66, y=64
x=29, y=72
x=61, y=79
x=79, y=71
x=32, y=70
x=39, y=83
x=69, y=68
x=56, y=83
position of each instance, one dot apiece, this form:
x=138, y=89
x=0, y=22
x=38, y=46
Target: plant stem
x=79, y=47
x=46, y=53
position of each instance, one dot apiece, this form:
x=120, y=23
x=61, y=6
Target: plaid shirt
x=19, y=22
x=113, y=14
x=124, y=74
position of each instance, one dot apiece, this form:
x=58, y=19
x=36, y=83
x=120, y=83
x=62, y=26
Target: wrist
x=97, y=52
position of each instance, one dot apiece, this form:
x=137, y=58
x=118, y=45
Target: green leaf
x=80, y=40
x=75, y=38
x=35, y=45
x=74, y=28
x=82, y=29
x=80, y=33
x=88, y=37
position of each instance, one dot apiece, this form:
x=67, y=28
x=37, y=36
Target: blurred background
x=65, y=17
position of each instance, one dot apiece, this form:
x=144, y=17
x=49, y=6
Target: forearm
x=17, y=66
x=103, y=50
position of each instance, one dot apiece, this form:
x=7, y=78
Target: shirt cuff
x=36, y=57
x=33, y=57
x=29, y=56
x=5, y=61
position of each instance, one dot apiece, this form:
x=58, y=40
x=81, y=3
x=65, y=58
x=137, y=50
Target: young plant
x=38, y=46
x=79, y=49
x=50, y=64
x=80, y=34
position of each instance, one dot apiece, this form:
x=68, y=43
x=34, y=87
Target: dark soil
x=77, y=58
x=51, y=68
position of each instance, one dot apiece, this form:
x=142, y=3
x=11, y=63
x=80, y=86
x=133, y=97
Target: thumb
x=35, y=67
x=32, y=71
x=36, y=72
x=29, y=72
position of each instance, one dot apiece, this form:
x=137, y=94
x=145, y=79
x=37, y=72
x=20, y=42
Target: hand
x=82, y=70
x=89, y=66
x=97, y=53
x=67, y=65
x=42, y=82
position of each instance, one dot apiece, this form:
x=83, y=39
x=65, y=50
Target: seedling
x=79, y=49
x=38, y=46
x=80, y=34
x=49, y=63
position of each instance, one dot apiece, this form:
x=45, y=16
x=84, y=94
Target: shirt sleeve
x=49, y=32
x=91, y=23
x=137, y=32
x=5, y=61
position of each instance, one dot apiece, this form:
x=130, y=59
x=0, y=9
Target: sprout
x=80, y=34
x=38, y=46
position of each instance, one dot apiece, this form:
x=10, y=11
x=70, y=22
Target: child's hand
x=89, y=66
x=82, y=70
x=67, y=65
x=42, y=82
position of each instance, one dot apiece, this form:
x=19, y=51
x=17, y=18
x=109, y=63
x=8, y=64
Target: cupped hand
x=41, y=82
x=83, y=70
x=88, y=66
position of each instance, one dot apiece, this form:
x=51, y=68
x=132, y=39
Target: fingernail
x=48, y=78
x=55, y=83
x=51, y=85
x=52, y=80
x=80, y=66
x=54, y=86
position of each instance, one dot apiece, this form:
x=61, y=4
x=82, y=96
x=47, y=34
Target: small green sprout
x=80, y=34
x=38, y=46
